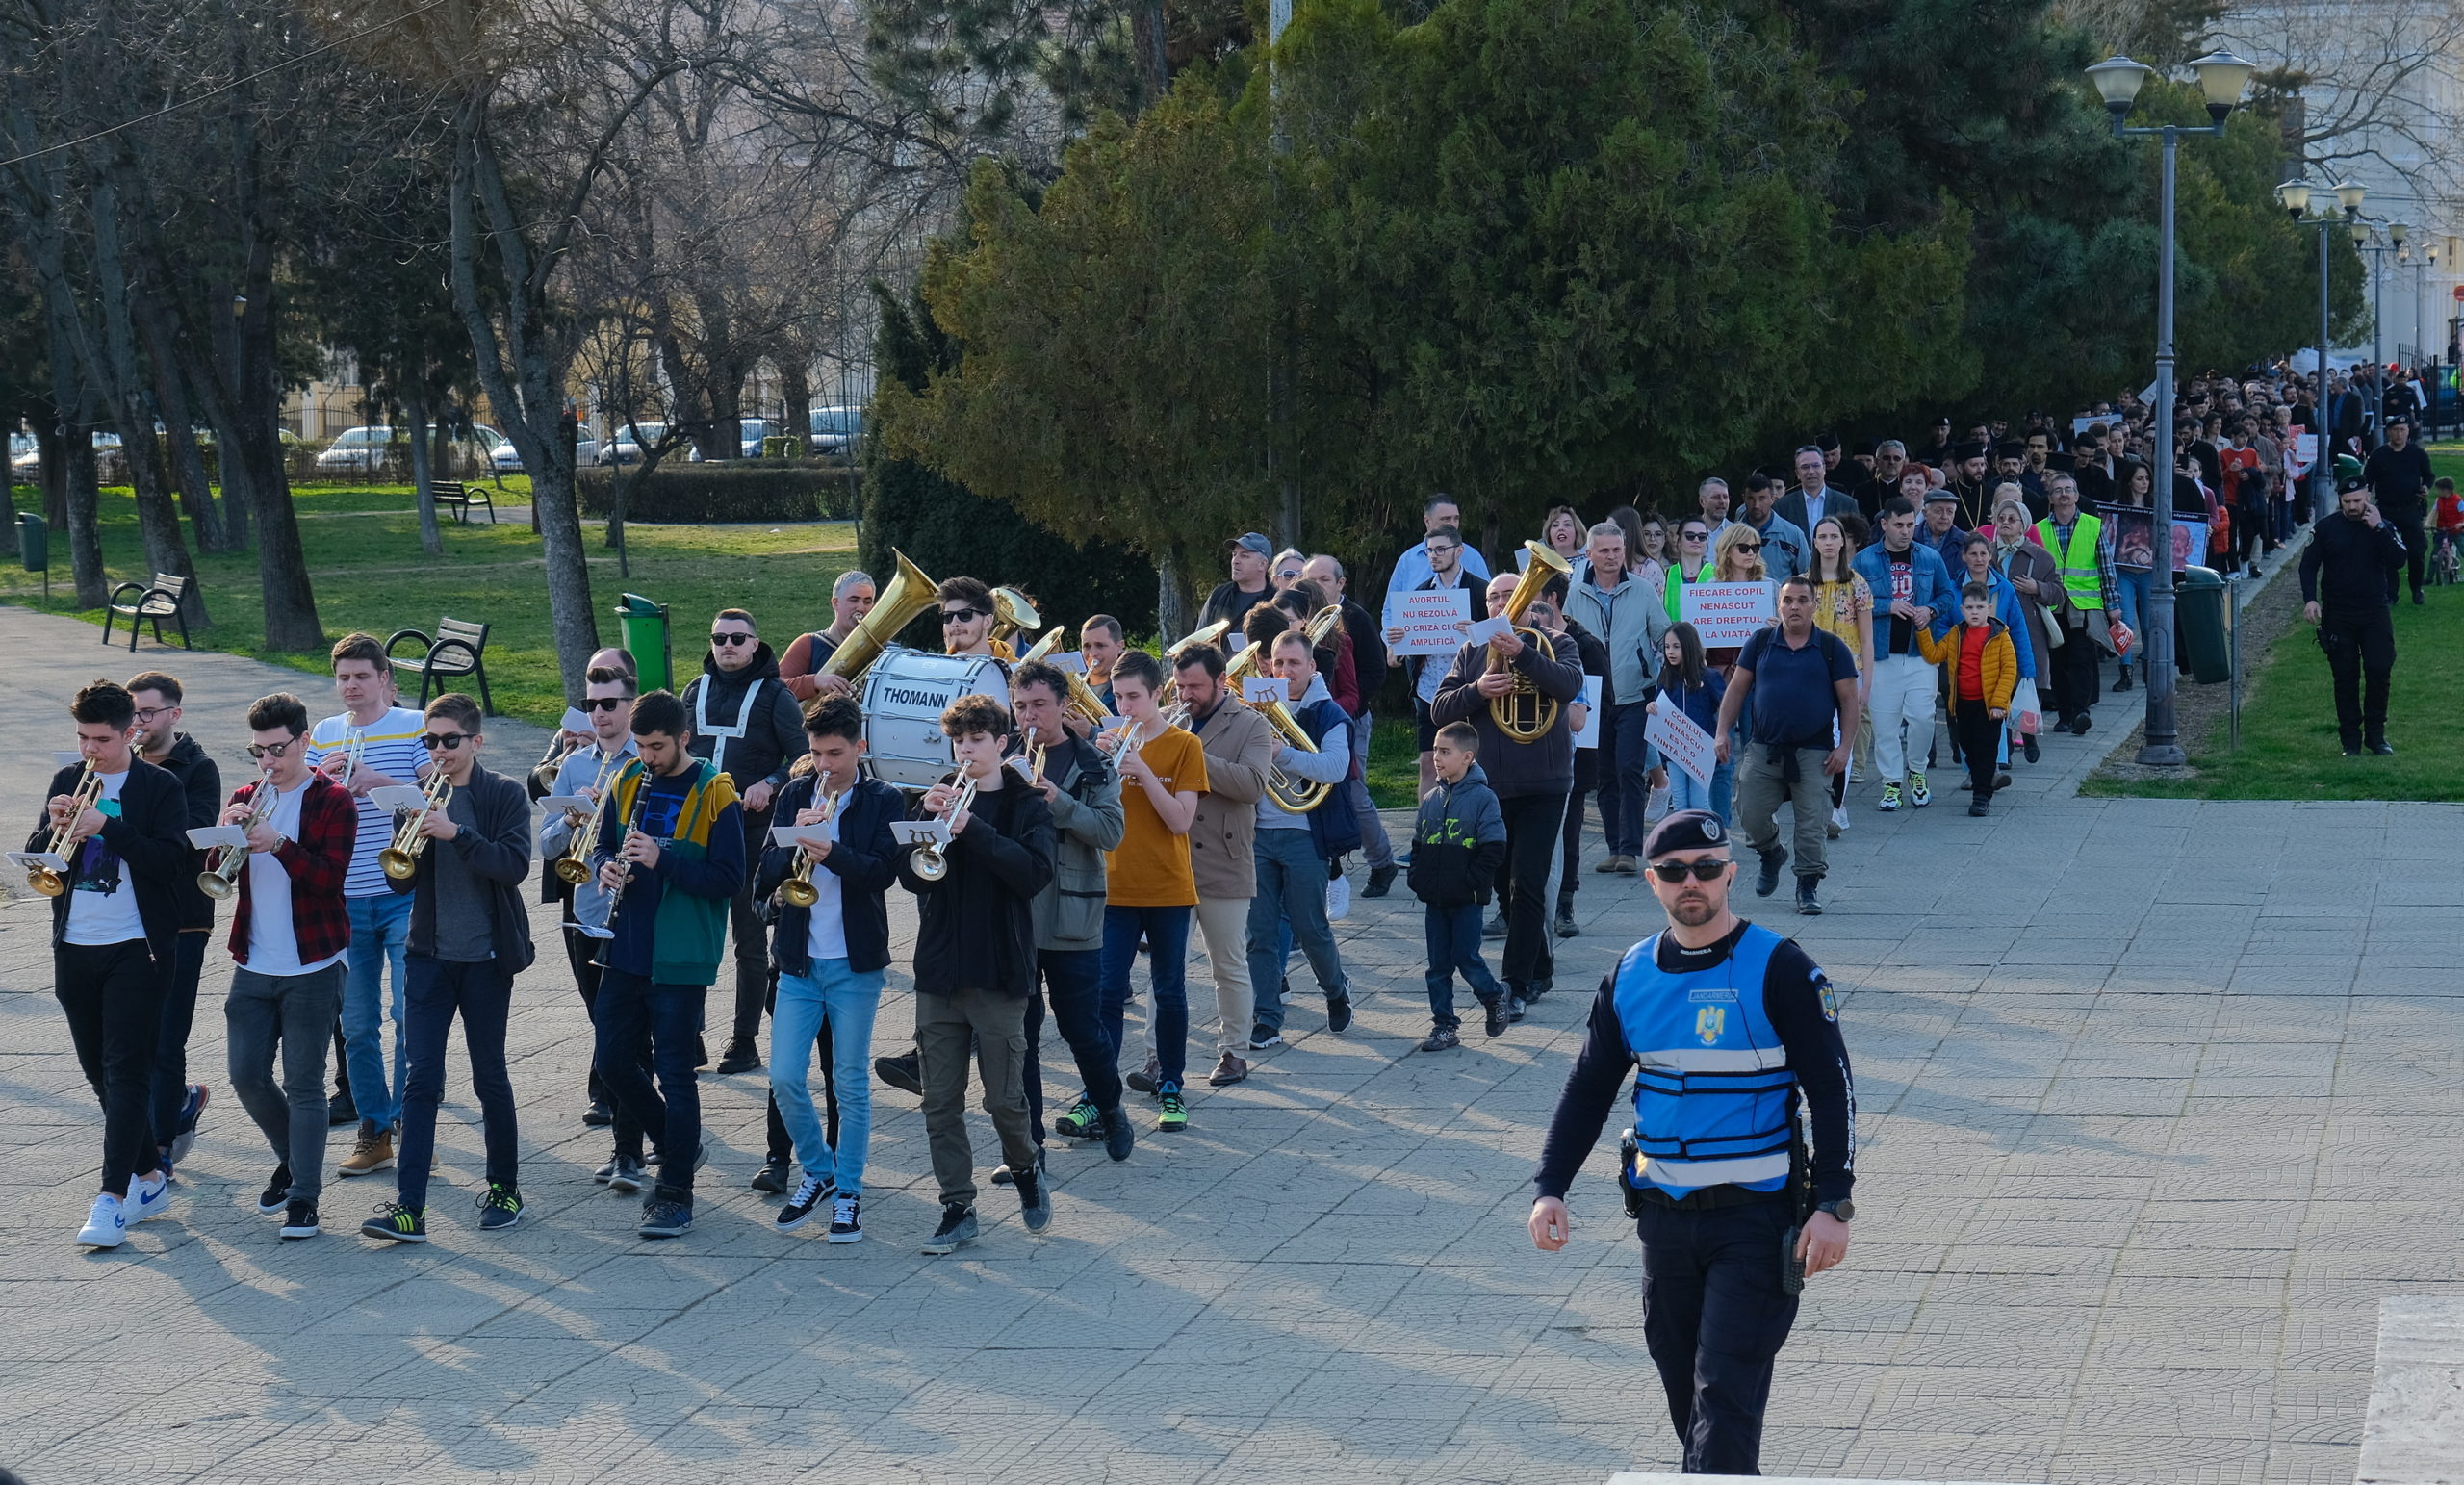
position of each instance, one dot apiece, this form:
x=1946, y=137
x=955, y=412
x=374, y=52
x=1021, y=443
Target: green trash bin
x=644, y=625
x=2205, y=602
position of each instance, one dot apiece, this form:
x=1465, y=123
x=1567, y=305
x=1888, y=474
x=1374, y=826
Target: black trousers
x=2074, y=672
x=2407, y=521
x=1714, y=1317
x=113, y=996
x=1532, y=841
x=1569, y=874
x=579, y=952
x=1979, y=739
x=171, y=1043
x=756, y=986
x=2361, y=656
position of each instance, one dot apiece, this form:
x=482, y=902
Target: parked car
x=622, y=449
x=836, y=431
x=25, y=455
x=363, y=450
x=753, y=431
x=506, y=459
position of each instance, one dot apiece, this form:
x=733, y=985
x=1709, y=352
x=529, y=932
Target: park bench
x=453, y=652
x=148, y=602
x=462, y=497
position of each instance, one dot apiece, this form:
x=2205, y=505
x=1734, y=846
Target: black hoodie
x=774, y=727
x=201, y=783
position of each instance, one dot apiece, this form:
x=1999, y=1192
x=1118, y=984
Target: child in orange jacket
x=1984, y=670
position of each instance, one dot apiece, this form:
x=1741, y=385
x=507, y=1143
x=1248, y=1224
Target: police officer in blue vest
x=1728, y=1028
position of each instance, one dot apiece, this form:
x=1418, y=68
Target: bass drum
x=905, y=691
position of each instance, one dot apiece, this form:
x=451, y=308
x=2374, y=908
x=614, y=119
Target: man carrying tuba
x=1515, y=690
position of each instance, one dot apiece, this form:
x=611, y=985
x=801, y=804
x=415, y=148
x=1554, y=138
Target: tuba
x=1293, y=796
x=1013, y=613
x=1204, y=634
x=402, y=859
x=220, y=879
x=88, y=790
x=909, y=593
x=1523, y=714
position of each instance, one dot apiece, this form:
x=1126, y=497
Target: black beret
x=1685, y=829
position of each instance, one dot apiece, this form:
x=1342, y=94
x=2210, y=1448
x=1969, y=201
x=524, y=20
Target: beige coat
x=1240, y=750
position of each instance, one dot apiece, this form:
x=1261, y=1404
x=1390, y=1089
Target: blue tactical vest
x=1712, y=1096
x=1333, y=829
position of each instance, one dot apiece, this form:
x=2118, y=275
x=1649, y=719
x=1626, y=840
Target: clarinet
x=632, y=826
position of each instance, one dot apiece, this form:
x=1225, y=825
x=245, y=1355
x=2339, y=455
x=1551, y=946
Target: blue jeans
x=1291, y=892
x=481, y=993
x=380, y=931
x=1625, y=755
x=1454, y=944
x=829, y=990
x=1683, y=793
x=1166, y=930
x=630, y=1007
x=2133, y=590
x=1073, y=982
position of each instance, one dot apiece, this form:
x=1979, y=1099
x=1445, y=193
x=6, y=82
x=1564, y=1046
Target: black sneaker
x=1493, y=1017
x=741, y=1055
x=1513, y=1009
x=772, y=1177
x=664, y=1216
x=2122, y=682
x=1263, y=1036
x=2028, y=745
x=340, y=1112
x=1034, y=1205
x=2001, y=780
x=1767, y=881
x=1380, y=880
x=1566, y=928
x=1118, y=1138
x=846, y=1219
x=957, y=1226
x=597, y=1116
x=1978, y=809
x=1441, y=1038
x=277, y=1192
x=1001, y=1175
x=2382, y=747
x=299, y=1220
x=1338, y=1012
x=398, y=1223
x=500, y=1209
x=1808, y=896
x=904, y=1073
x=627, y=1174
x=810, y=1193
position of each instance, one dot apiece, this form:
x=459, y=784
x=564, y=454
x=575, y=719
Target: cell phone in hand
x=1792, y=1268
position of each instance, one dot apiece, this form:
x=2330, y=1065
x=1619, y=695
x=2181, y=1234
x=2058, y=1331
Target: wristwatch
x=1843, y=1209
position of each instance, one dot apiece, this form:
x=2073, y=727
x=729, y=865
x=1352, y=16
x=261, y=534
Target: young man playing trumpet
x=670, y=854
x=470, y=936
x=830, y=942
x=289, y=937
x=119, y=821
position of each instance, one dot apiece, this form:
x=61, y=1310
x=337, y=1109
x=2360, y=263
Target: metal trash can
x=645, y=627
x=2204, y=601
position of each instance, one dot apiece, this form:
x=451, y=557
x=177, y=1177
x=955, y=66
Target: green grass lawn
x=368, y=573
x=2289, y=746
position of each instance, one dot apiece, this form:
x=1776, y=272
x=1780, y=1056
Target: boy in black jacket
x=114, y=919
x=975, y=963
x=1457, y=844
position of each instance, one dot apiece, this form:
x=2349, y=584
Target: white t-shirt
x=393, y=748
x=102, y=906
x=273, y=946
x=827, y=938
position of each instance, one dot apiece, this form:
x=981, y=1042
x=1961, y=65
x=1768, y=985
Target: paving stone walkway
x=2158, y=1098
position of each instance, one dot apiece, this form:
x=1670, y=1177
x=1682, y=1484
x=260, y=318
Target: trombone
x=1523, y=714
x=402, y=859
x=88, y=793
x=220, y=879
x=798, y=890
x=928, y=860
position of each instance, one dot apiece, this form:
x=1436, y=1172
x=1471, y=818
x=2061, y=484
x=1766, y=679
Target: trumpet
x=351, y=751
x=798, y=890
x=220, y=879
x=928, y=860
x=1523, y=714
x=402, y=859
x=573, y=866
x=83, y=797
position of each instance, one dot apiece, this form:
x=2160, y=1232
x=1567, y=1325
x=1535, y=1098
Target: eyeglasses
x=271, y=751
x=604, y=702
x=146, y=715
x=963, y=615
x=732, y=638
x=1706, y=869
x=449, y=741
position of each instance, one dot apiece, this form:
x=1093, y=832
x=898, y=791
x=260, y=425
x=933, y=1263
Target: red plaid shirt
x=316, y=861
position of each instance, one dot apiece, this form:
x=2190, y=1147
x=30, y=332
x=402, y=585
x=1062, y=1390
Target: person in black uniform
x=1732, y=1029
x=2399, y=475
x=2348, y=583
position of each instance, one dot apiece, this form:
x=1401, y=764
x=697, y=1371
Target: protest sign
x=1684, y=745
x=1725, y=613
x=1431, y=621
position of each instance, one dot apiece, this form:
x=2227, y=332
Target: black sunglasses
x=449, y=741
x=1706, y=869
x=604, y=702
x=731, y=639
x=963, y=615
x=271, y=751
x=1747, y=546
x=1691, y=536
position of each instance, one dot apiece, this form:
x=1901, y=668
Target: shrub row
x=759, y=490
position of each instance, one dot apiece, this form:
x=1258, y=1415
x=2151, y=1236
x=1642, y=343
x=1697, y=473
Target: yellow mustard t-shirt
x=1151, y=868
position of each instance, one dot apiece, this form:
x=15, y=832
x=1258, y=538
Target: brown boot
x=374, y=1152
x=1228, y=1070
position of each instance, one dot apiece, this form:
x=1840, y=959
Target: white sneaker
x=1838, y=817
x=146, y=1199
x=1655, y=804
x=106, y=1227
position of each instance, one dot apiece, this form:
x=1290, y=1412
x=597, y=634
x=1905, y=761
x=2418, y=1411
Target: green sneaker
x=398, y=1223
x=1084, y=1121
x=1175, y=1115
x=500, y=1208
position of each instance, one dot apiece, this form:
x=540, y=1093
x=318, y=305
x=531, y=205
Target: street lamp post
x=2296, y=196
x=2363, y=240
x=2222, y=77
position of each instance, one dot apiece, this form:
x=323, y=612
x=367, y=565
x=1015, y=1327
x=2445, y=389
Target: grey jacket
x=1087, y=821
x=1240, y=750
x=1629, y=621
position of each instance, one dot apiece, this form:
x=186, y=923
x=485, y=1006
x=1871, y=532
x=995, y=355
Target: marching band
x=1052, y=814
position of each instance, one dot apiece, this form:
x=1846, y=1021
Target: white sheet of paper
x=1255, y=689
x=573, y=801
x=576, y=720
x=1487, y=629
x=1235, y=642
x=793, y=835
x=205, y=838
x=1070, y=660
x=1589, y=737
x=914, y=833
x=30, y=859
x=398, y=796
